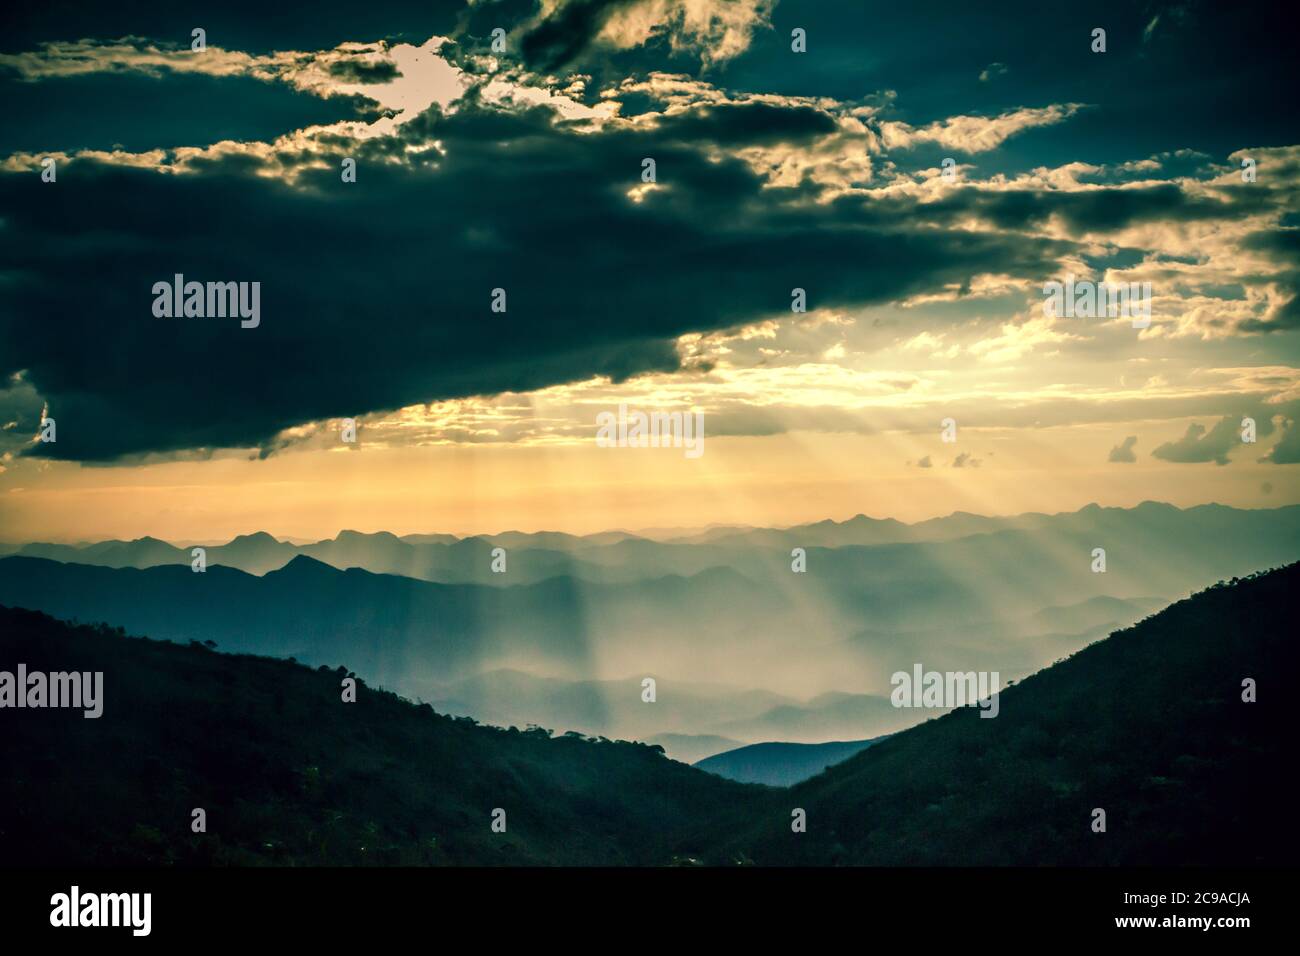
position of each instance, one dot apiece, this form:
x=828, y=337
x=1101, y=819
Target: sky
x=920, y=179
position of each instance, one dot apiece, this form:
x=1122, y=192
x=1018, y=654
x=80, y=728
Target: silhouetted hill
x=1148, y=725
x=289, y=774
x=781, y=764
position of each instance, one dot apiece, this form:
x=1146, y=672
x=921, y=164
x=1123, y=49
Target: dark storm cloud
x=747, y=124
x=376, y=294
x=20, y=415
x=1281, y=244
x=1100, y=210
x=560, y=39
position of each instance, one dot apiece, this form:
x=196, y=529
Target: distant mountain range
x=619, y=557
x=567, y=634
x=781, y=764
x=472, y=650
x=464, y=648
x=690, y=720
x=1149, y=727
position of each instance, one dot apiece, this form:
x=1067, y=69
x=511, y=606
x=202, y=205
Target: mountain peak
x=347, y=534
x=302, y=566
x=257, y=537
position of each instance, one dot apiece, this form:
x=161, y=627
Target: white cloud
x=975, y=134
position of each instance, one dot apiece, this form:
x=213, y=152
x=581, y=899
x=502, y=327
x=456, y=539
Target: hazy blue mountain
x=466, y=647
x=689, y=719
x=831, y=716
x=781, y=764
x=409, y=634
x=429, y=538
x=1149, y=725
x=1012, y=601
x=1102, y=611
x=612, y=708
x=255, y=553
x=864, y=530
x=140, y=553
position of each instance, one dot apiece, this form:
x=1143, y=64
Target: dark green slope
x=1148, y=725
x=289, y=774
